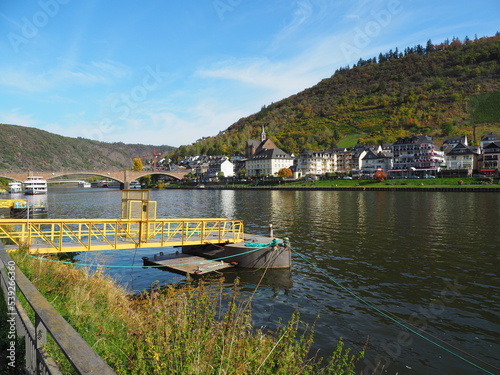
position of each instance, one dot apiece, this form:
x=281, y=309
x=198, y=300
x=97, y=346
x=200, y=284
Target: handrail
x=82, y=357
x=41, y=236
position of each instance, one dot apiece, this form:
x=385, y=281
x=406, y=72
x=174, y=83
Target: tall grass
x=197, y=328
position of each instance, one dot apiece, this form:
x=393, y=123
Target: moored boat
x=255, y=252
x=135, y=185
x=15, y=187
x=32, y=210
x=35, y=185
x=21, y=208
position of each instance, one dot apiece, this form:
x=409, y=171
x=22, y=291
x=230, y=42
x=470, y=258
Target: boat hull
x=267, y=257
x=248, y=254
x=20, y=213
x=34, y=192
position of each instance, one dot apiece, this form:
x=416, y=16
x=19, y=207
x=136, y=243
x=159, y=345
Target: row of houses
x=413, y=155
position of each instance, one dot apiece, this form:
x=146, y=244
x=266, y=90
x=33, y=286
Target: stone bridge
x=124, y=176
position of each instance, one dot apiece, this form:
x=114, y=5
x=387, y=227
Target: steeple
x=263, y=134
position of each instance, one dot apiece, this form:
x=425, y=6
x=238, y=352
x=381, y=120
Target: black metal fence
x=47, y=321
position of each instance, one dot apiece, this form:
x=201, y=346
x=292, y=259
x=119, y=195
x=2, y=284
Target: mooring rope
x=388, y=316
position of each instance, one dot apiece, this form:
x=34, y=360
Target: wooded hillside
x=23, y=148
x=440, y=90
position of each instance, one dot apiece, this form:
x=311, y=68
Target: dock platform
x=255, y=252
x=185, y=263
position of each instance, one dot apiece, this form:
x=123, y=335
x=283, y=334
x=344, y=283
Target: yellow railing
x=42, y=236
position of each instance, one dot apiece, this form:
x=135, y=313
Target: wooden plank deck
x=184, y=263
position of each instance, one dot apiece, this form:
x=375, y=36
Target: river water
x=363, y=262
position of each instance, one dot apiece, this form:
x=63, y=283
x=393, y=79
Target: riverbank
x=347, y=188
x=193, y=328
x=470, y=184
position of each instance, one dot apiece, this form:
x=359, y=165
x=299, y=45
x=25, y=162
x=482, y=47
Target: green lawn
x=424, y=183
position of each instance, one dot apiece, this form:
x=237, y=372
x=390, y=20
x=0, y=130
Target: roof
x=273, y=153
x=461, y=149
x=493, y=146
x=254, y=143
x=457, y=139
x=370, y=155
x=491, y=137
x=413, y=139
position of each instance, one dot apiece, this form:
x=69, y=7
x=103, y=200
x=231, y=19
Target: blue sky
x=172, y=71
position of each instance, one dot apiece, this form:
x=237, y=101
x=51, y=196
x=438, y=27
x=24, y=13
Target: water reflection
x=227, y=204
x=397, y=250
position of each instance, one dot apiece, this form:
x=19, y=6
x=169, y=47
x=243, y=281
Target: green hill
x=23, y=148
x=423, y=90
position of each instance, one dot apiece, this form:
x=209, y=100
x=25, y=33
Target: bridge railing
x=80, y=355
x=53, y=236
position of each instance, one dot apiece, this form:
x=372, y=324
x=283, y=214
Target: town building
x=461, y=156
x=416, y=153
x=489, y=164
x=265, y=158
x=316, y=163
x=450, y=142
x=489, y=138
x=376, y=160
x=220, y=166
x=343, y=160
x=268, y=162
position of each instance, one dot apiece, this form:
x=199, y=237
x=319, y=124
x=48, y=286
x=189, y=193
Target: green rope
x=181, y=264
x=388, y=316
x=274, y=242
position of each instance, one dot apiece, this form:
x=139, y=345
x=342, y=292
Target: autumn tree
x=379, y=176
x=285, y=173
x=137, y=165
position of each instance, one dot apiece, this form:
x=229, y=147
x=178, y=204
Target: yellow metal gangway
x=138, y=228
x=42, y=236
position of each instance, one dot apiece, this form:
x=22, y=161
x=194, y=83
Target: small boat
x=20, y=208
x=35, y=185
x=84, y=184
x=108, y=184
x=200, y=186
x=135, y=185
x=15, y=187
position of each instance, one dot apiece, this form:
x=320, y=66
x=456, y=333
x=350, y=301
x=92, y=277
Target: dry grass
x=194, y=329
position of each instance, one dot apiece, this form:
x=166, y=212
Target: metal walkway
x=43, y=236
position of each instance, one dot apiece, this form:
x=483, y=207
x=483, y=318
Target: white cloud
x=15, y=117
x=301, y=14
x=95, y=73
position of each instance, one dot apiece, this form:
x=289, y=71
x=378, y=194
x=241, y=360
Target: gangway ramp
x=45, y=236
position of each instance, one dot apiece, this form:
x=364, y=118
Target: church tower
x=263, y=134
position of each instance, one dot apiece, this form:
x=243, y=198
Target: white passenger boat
x=84, y=184
x=15, y=187
x=35, y=185
x=135, y=184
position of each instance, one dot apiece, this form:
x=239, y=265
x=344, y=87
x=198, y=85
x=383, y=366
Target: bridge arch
x=123, y=176
x=175, y=175
x=107, y=175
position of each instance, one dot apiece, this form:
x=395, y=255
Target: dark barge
x=255, y=252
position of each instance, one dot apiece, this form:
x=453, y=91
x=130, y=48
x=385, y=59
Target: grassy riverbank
x=197, y=328
x=427, y=183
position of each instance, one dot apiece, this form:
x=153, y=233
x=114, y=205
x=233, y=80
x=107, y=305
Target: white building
x=416, y=153
x=220, y=165
x=268, y=162
x=316, y=163
x=462, y=157
x=374, y=161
